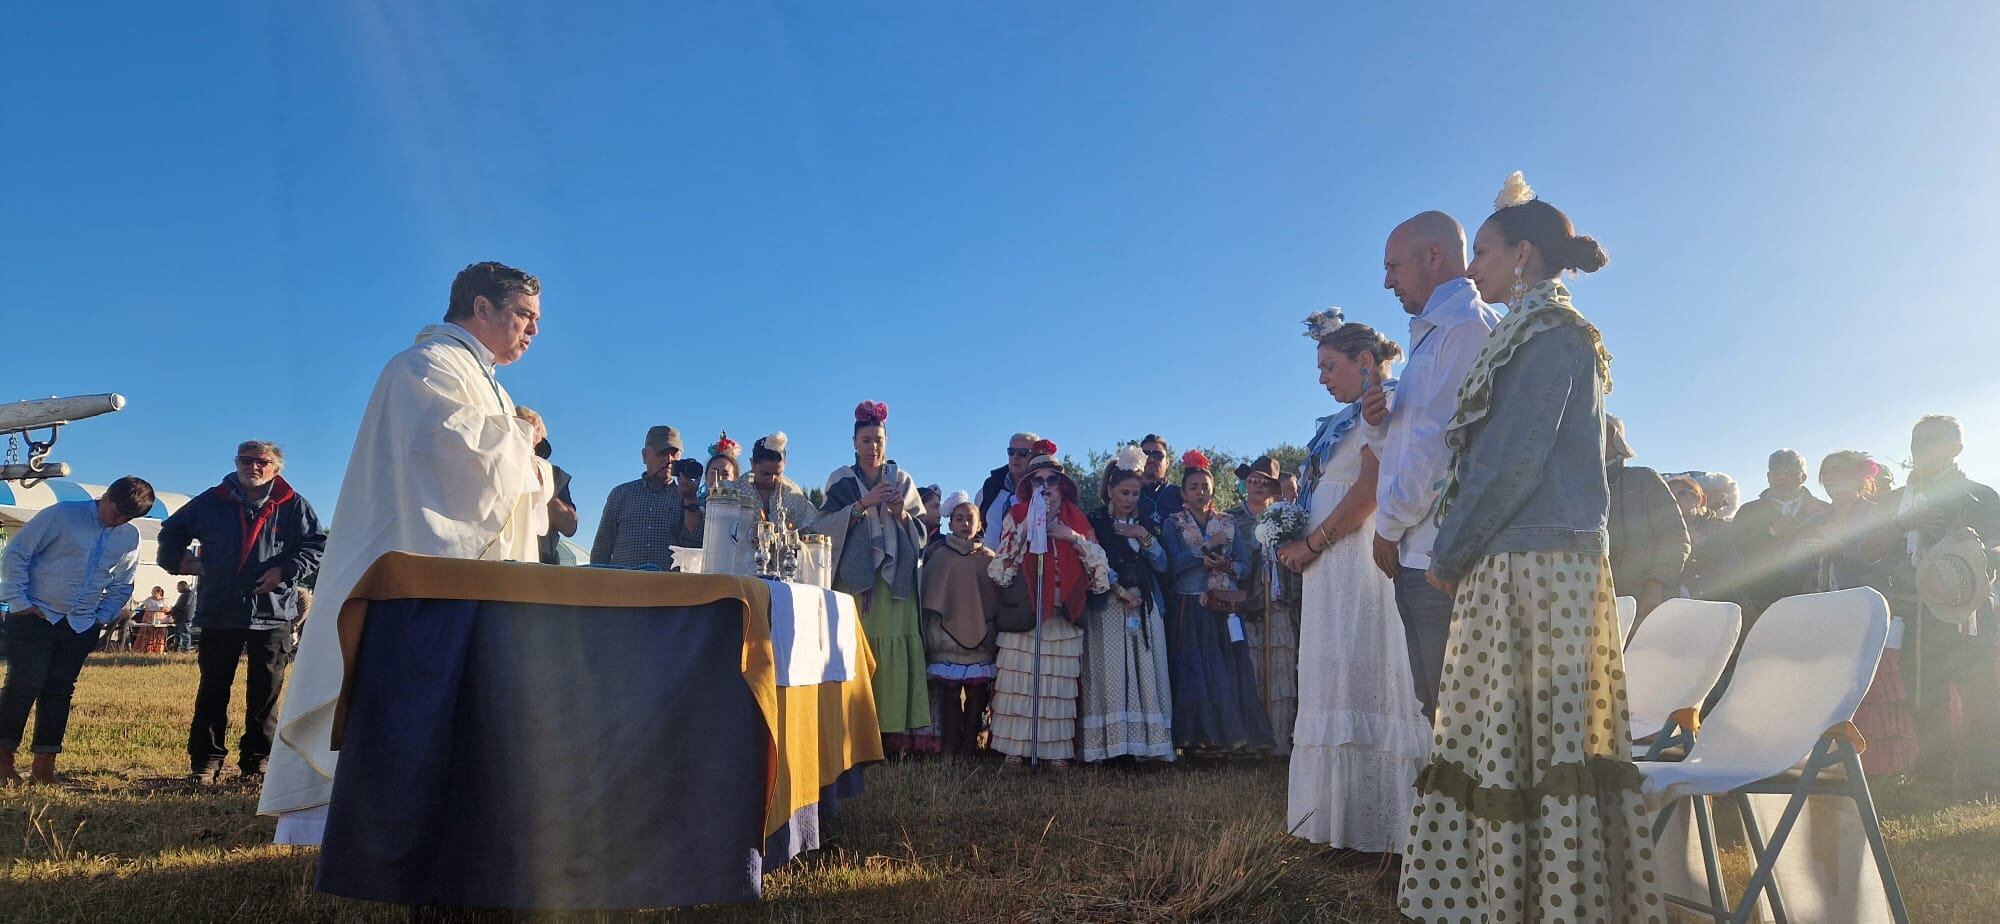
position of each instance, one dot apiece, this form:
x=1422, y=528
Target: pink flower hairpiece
x=871, y=412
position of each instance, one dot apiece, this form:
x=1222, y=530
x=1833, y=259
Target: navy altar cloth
x=509, y=755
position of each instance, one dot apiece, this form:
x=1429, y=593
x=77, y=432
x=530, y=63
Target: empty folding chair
x=1783, y=728
x=1671, y=664
x=1628, y=613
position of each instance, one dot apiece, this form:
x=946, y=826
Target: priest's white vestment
x=441, y=466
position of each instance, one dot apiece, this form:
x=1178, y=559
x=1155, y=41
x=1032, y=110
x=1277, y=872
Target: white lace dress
x=1360, y=737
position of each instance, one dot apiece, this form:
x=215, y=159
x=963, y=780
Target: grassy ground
x=123, y=840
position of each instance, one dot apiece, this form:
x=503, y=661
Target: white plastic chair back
x=1628, y=613
x=1803, y=669
x=1674, y=665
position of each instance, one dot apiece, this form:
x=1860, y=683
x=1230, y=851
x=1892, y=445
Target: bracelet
x=1309, y=544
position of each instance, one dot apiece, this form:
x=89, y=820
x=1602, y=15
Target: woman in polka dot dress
x=1529, y=809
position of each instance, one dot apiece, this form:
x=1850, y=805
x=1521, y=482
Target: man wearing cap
x=1956, y=638
x=644, y=518
x=444, y=465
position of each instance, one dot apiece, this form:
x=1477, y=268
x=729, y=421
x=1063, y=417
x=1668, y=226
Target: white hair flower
x=1131, y=459
x=775, y=442
x=1322, y=324
x=1515, y=191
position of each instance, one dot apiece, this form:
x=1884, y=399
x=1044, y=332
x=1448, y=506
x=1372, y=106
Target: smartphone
x=1367, y=381
x=889, y=477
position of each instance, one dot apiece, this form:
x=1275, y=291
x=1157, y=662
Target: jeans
x=182, y=637
x=43, y=660
x=220, y=649
x=1426, y=613
x=1951, y=659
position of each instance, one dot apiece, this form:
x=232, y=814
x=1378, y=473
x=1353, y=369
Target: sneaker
x=205, y=776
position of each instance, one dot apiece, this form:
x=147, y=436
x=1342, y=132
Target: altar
x=538, y=737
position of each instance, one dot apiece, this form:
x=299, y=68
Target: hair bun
x=1585, y=254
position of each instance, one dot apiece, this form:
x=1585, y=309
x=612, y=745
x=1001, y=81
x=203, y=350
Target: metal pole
x=1035, y=732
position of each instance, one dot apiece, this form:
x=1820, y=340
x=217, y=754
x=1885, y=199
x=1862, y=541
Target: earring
x=1519, y=292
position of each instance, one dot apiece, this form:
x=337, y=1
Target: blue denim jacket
x=1185, y=572
x=1532, y=476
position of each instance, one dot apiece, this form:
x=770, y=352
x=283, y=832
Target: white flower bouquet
x=1281, y=523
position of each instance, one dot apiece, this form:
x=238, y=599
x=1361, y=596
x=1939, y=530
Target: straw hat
x=1952, y=578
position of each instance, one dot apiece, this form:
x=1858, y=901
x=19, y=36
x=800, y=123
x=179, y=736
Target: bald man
x=1424, y=264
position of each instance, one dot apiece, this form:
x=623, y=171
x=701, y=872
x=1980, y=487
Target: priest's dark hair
x=496, y=281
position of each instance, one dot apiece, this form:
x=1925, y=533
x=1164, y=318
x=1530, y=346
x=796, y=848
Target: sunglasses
x=1013, y=453
x=1155, y=454
x=1044, y=482
x=254, y=460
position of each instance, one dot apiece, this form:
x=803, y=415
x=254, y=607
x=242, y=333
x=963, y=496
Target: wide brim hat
x=1953, y=580
x=1264, y=466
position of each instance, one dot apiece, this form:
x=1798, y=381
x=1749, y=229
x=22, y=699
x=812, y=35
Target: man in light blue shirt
x=67, y=574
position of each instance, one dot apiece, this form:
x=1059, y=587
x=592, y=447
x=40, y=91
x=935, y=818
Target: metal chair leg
x=1711, y=858
x=1756, y=837
x=1763, y=877
x=1864, y=801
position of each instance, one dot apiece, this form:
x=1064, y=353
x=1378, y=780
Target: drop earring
x=1519, y=292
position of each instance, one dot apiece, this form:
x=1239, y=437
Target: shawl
x=1130, y=564
x=1221, y=532
x=958, y=589
x=1545, y=307
x=799, y=511
x=1078, y=569
x=871, y=546
x=1332, y=429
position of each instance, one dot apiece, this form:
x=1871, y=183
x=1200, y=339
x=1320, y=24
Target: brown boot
x=8, y=775
x=43, y=770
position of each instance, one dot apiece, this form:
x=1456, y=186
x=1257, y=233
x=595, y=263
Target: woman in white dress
x=1360, y=738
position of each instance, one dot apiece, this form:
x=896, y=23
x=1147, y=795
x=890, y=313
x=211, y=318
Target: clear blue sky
x=1092, y=220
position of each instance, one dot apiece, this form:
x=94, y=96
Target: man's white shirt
x=1444, y=341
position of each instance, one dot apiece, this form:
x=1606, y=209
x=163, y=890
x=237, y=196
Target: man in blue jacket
x=259, y=541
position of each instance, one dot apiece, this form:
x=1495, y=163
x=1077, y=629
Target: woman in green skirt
x=871, y=513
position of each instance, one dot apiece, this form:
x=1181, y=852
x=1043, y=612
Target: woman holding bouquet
x=1361, y=737
x=1127, y=706
x=1272, y=633
x=1216, y=703
x=1046, y=542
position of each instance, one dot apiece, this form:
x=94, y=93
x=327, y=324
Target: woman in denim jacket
x=1531, y=784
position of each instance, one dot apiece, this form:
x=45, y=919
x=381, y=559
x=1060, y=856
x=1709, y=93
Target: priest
x=444, y=464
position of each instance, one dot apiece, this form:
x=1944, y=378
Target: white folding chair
x=1802, y=671
x=1670, y=669
x=1628, y=613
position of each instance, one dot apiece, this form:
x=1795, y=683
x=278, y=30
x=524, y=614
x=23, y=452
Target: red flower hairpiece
x=1045, y=448
x=1195, y=459
x=871, y=412
x=725, y=447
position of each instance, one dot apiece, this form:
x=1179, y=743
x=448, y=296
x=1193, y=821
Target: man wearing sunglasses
x=997, y=495
x=259, y=541
x=1159, y=497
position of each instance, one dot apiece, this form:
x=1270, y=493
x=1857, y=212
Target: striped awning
x=20, y=502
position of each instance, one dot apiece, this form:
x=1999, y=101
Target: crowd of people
x=1436, y=652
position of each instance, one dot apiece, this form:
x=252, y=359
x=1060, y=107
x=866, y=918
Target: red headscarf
x=1064, y=579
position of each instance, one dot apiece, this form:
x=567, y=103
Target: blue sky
x=1091, y=220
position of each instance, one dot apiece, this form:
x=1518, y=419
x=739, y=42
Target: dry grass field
x=123, y=839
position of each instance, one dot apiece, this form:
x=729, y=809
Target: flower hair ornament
x=725, y=448
x=871, y=412
x=1321, y=324
x=1515, y=191
x=1043, y=448
x=1195, y=460
x=774, y=443
x=1131, y=459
